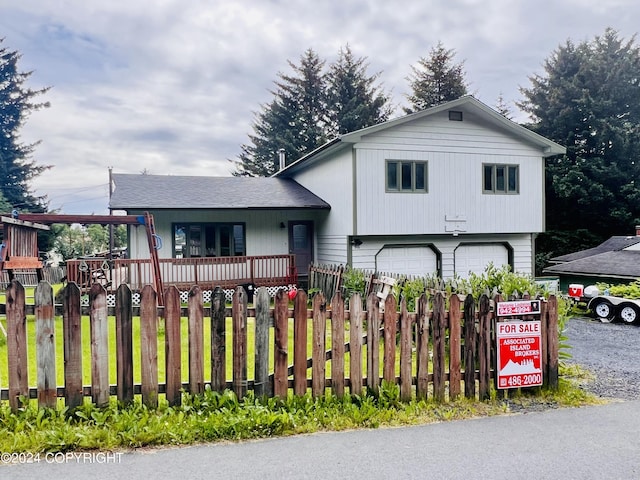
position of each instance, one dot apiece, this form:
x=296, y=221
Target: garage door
x=475, y=258
x=415, y=260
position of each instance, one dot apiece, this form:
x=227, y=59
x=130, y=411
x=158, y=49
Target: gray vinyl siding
x=332, y=181
x=455, y=153
x=331, y=249
x=262, y=228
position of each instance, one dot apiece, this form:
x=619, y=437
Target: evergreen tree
x=311, y=106
x=503, y=108
x=435, y=80
x=17, y=167
x=295, y=120
x=587, y=100
x=354, y=100
x=5, y=206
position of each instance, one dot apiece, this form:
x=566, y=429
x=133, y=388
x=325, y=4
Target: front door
x=301, y=245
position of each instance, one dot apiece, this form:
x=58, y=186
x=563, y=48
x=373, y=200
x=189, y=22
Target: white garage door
x=417, y=261
x=475, y=258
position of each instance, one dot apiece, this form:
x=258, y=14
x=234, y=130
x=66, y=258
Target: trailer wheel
x=629, y=313
x=604, y=310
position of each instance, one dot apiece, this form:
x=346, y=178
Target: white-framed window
x=406, y=176
x=500, y=178
x=208, y=240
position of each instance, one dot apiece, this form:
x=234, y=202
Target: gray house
x=445, y=190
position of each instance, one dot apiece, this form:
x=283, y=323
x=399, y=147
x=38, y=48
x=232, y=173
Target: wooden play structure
x=19, y=247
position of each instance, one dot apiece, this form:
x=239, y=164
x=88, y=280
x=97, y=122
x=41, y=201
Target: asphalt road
x=584, y=443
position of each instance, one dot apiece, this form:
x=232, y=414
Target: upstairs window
x=406, y=176
x=208, y=240
x=500, y=179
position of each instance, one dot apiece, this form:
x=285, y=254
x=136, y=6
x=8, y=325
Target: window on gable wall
x=500, y=179
x=208, y=240
x=406, y=176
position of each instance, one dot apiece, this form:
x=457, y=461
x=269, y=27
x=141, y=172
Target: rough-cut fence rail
x=424, y=336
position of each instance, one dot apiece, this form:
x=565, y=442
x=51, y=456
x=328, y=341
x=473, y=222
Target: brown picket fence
x=434, y=345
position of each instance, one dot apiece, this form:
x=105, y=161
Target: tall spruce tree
x=587, y=100
x=355, y=101
x=17, y=167
x=436, y=79
x=311, y=106
x=502, y=107
x=295, y=120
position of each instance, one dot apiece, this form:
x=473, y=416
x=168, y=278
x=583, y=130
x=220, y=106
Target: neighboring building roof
x=619, y=263
x=466, y=103
x=141, y=191
x=612, y=244
x=612, y=258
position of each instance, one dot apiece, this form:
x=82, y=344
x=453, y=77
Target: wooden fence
x=368, y=341
x=30, y=277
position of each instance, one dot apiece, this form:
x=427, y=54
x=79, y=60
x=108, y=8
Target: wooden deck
x=207, y=272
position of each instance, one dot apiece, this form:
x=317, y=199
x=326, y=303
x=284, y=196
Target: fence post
x=390, y=329
x=72, y=342
x=218, y=342
x=500, y=393
x=99, y=345
x=337, y=344
x=280, y=343
x=262, y=340
x=470, y=340
x=319, y=341
x=422, y=347
x=45, y=345
x=355, y=344
x=124, y=344
x=196, y=341
x=405, y=352
x=239, y=314
x=149, y=345
x=17, y=345
x=439, y=326
x=552, y=339
x=373, y=343
x=454, y=346
x=172, y=346
x=300, y=343
x=484, y=348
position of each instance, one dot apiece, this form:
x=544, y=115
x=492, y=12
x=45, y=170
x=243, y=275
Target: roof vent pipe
x=281, y=158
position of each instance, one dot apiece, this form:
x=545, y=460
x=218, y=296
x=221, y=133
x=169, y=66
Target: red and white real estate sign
x=518, y=307
x=519, y=354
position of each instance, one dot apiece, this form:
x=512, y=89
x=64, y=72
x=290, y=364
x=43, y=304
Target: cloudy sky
x=172, y=86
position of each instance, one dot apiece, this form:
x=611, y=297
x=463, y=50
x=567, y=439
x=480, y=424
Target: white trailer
x=607, y=308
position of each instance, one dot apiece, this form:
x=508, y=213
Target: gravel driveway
x=611, y=351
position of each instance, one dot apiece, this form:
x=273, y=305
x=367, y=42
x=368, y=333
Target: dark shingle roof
x=620, y=263
x=191, y=192
x=610, y=245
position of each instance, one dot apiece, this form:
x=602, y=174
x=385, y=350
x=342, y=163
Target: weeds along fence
x=442, y=350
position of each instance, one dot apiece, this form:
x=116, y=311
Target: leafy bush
x=354, y=281
x=630, y=290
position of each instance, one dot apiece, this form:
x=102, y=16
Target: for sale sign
x=519, y=354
